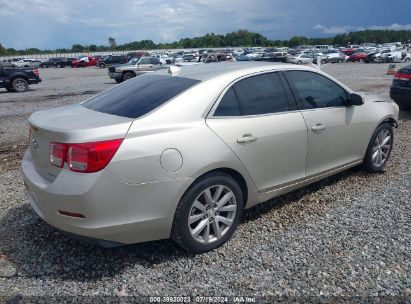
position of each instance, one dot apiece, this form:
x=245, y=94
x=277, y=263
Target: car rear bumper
x=400, y=94
x=113, y=211
x=34, y=81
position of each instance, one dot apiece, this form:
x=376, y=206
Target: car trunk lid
x=70, y=124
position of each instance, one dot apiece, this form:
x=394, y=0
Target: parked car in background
x=9, y=62
x=273, y=57
x=398, y=57
x=111, y=59
x=84, y=61
x=49, y=62
x=18, y=79
x=300, y=59
x=139, y=54
x=382, y=55
x=135, y=67
x=348, y=51
x=370, y=58
x=28, y=63
x=357, y=57
x=181, y=154
x=330, y=58
x=400, y=90
x=57, y=62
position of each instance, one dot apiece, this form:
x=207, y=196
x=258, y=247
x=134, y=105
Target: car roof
x=203, y=71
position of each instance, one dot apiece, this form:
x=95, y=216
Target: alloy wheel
x=381, y=148
x=212, y=214
x=20, y=86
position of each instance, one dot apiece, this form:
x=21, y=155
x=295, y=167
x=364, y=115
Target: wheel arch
x=18, y=75
x=129, y=71
x=237, y=176
x=391, y=120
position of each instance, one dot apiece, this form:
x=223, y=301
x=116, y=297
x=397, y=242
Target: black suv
x=400, y=90
x=112, y=59
x=18, y=79
x=58, y=62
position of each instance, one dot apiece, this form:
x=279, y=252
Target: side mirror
x=355, y=100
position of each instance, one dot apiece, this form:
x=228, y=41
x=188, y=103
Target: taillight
x=84, y=157
x=401, y=76
x=57, y=154
x=36, y=72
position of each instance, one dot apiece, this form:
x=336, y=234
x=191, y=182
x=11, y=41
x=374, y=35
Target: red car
x=84, y=61
x=359, y=56
x=348, y=52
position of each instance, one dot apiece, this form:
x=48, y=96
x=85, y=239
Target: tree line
x=241, y=38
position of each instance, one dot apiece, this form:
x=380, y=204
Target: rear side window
x=261, y=94
x=405, y=71
x=228, y=105
x=138, y=96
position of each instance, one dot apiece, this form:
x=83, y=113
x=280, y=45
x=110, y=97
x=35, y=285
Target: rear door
x=336, y=133
x=258, y=120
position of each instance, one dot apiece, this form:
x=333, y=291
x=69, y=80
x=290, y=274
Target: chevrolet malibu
x=181, y=153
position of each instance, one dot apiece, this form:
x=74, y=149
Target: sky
x=51, y=24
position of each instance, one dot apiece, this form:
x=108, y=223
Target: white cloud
x=335, y=30
x=394, y=27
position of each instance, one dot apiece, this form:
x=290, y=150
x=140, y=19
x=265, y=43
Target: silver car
x=181, y=153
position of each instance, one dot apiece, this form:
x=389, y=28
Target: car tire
x=299, y=62
x=102, y=65
x=323, y=61
x=340, y=61
x=127, y=76
x=379, y=149
x=45, y=66
x=118, y=80
x=407, y=60
x=58, y=65
x=196, y=219
x=20, y=85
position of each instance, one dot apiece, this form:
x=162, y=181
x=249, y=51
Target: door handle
x=247, y=138
x=318, y=127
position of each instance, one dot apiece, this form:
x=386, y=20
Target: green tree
x=93, y=48
x=112, y=43
x=2, y=50
x=297, y=40
x=77, y=48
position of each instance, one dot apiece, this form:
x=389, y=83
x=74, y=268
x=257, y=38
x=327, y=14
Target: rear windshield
x=139, y=95
x=406, y=70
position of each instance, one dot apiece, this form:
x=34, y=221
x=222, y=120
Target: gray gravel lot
x=345, y=237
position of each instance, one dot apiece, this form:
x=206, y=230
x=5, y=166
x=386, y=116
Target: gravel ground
x=346, y=238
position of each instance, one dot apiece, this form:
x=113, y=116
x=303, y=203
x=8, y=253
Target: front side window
x=155, y=60
x=317, y=91
x=144, y=61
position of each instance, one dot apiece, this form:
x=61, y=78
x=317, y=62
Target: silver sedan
x=181, y=153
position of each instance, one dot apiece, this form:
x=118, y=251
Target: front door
x=336, y=133
x=258, y=121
